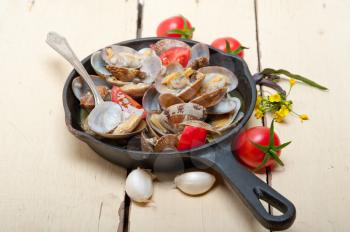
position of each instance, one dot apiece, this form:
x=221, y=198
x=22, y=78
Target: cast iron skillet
x=217, y=155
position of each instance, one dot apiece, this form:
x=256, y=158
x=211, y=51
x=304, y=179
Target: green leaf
x=177, y=31
x=228, y=48
x=261, y=147
x=275, y=157
x=185, y=21
x=238, y=50
x=272, y=133
x=280, y=147
x=266, y=158
x=270, y=71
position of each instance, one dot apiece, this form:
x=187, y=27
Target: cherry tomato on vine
x=259, y=147
x=176, y=26
x=176, y=54
x=229, y=45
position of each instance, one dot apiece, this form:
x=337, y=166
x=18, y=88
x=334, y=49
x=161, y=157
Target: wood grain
x=220, y=209
x=49, y=180
x=312, y=39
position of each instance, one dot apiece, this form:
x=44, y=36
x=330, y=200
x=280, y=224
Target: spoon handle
x=61, y=45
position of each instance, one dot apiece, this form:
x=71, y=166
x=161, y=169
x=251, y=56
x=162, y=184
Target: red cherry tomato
x=176, y=54
x=176, y=26
x=220, y=44
x=248, y=153
x=191, y=137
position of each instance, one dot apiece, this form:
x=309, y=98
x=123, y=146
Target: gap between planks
x=126, y=213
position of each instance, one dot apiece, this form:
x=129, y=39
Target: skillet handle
x=249, y=188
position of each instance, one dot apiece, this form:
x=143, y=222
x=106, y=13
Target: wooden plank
x=220, y=209
x=313, y=39
x=49, y=180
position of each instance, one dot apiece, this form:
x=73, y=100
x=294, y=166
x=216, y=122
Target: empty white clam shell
x=226, y=105
x=197, y=51
x=98, y=64
x=194, y=183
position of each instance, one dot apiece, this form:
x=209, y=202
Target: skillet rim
x=91, y=139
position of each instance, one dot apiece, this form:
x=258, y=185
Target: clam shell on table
x=218, y=77
x=165, y=44
x=98, y=64
x=183, y=112
x=199, y=56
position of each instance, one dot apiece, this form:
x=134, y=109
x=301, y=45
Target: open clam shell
x=140, y=127
x=183, y=112
x=150, y=100
x=135, y=90
x=151, y=66
x=201, y=124
x=168, y=99
x=165, y=44
x=189, y=92
x=80, y=87
x=226, y=105
x=166, y=143
x=158, y=123
x=222, y=122
x=98, y=64
x=210, y=99
x=218, y=77
x=147, y=141
x=199, y=56
x=121, y=56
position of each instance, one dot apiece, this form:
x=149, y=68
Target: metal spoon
x=106, y=115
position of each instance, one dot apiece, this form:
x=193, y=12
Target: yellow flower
x=303, y=117
x=281, y=114
x=258, y=114
x=258, y=100
x=275, y=98
x=292, y=82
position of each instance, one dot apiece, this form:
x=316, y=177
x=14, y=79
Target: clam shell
x=212, y=71
x=128, y=125
x=168, y=99
x=125, y=74
x=166, y=143
x=80, y=88
x=141, y=126
x=147, y=52
x=184, y=111
x=222, y=122
x=121, y=56
x=114, y=81
x=188, y=93
x=150, y=101
x=98, y=65
x=227, y=105
x=199, y=56
x=135, y=90
x=210, y=99
x=201, y=124
x=165, y=44
x=156, y=122
x=151, y=66
x=147, y=142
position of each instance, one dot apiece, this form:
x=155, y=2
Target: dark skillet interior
x=113, y=151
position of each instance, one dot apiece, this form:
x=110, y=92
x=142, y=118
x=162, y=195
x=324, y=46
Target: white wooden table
x=50, y=181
